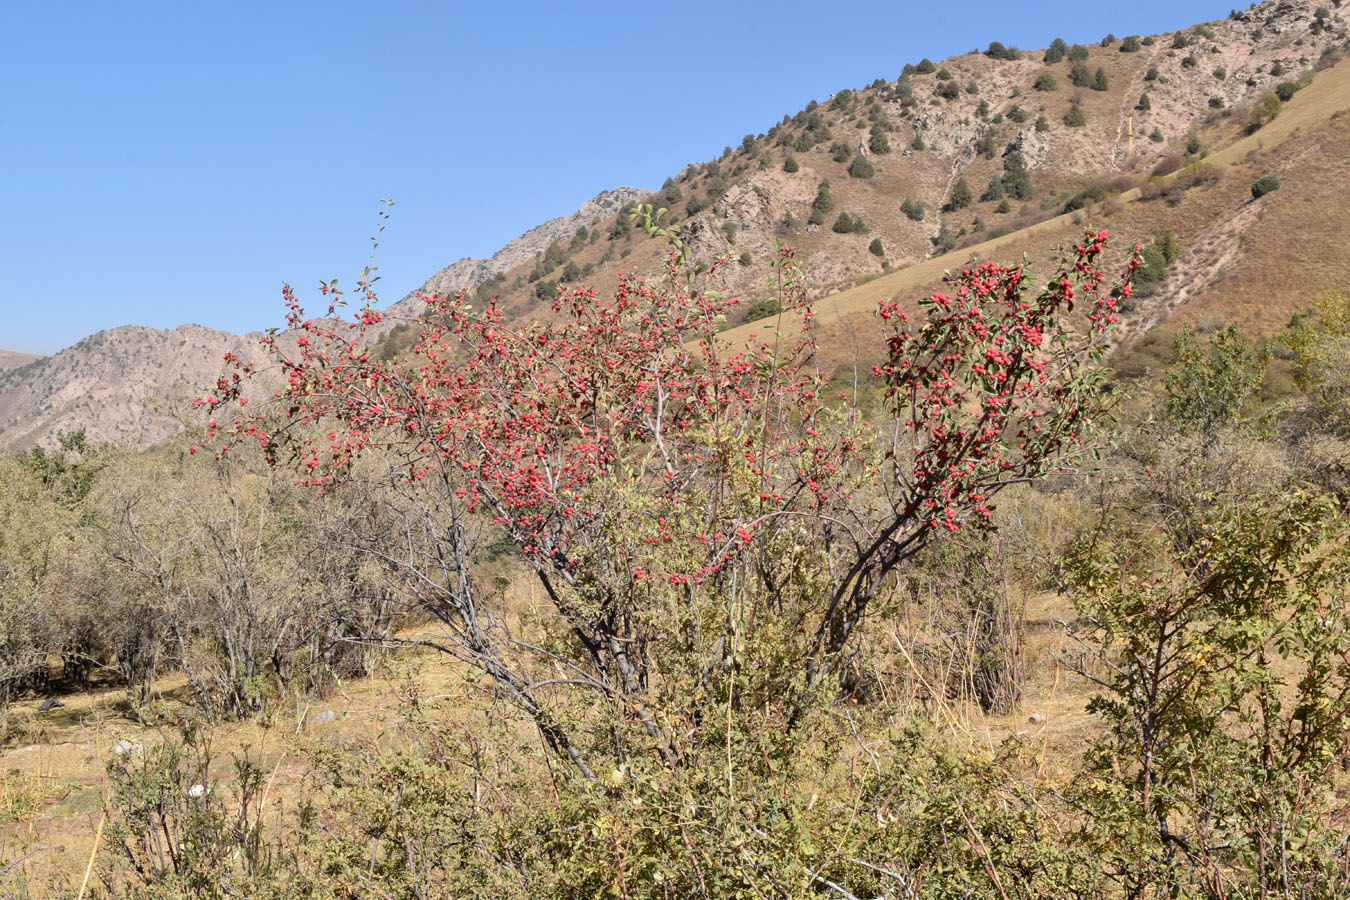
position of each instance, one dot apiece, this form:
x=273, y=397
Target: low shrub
x=1264, y=185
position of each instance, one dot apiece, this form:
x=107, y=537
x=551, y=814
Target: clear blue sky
x=175, y=162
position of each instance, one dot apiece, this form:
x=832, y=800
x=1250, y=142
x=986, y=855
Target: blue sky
x=175, y=162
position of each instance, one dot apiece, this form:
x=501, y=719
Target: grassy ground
x=53, y=763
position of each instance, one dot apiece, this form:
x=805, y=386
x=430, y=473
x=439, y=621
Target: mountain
x=126, y=385
x=12, y=359
x=880, y=188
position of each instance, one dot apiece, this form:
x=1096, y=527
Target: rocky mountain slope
x=468, y=273
x=881, y=187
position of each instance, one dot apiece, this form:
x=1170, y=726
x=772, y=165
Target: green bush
x=879, y=141
x=843, y=224
x=762, y=308
x=790, y=164
x=1193, y=146
x=824, y=201
x=1078, y=53
x=917, y=143
x=1151, y=74
x=1156, y=136
x=925, y=66
x=1264, y=185
x=875, y=247
x=1153, y=269
x=1144, y=104
x=1075, y=117
x=861, y=167
x=1042, y=124
x=960, y=196
x=1286, y=90
x=1130, y=45
x=1167, y=245
x=1016, y=177
x=1045, y=82
x=745, y=259
x=913, y=209
x=945, y=240
x=986, y=145
x=948, y=90
x=1080, y=75
x=1099, y=82
x=1055, y=52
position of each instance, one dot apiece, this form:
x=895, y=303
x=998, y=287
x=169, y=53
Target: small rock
x=322, y=718
x=1036, y=719
x=198, y=791
x=126, y=748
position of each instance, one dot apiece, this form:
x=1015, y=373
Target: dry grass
x=53, y=763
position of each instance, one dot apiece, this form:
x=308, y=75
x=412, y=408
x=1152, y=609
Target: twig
x=98, y=837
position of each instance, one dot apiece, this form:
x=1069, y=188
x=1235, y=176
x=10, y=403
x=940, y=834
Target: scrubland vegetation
x=708, y=621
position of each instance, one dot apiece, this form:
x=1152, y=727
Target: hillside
x=125, y=385
x=12, y=359
x=896, y=155
x=1247, y=262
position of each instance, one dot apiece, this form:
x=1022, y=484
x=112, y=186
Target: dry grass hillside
x=12, y=359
